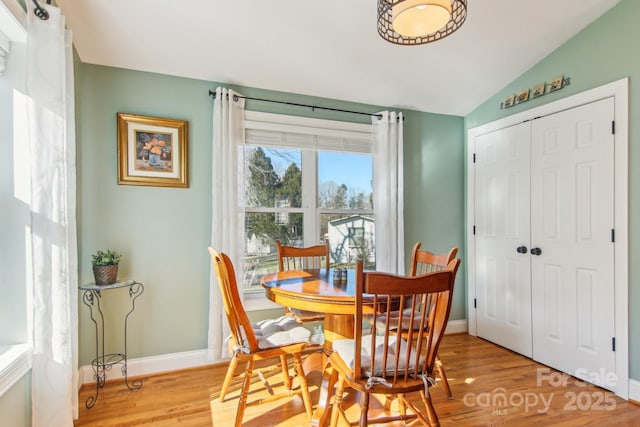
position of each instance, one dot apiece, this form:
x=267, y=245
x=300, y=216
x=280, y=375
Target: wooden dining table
x=318, y=291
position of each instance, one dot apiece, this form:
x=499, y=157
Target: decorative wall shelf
x=537, y=91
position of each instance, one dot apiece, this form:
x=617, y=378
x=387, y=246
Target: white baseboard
x=456, y=327
x=634, y=390
x=190, y=359
x=151, y=365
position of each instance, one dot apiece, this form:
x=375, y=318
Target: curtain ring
x=41, y=12
x=235, y=98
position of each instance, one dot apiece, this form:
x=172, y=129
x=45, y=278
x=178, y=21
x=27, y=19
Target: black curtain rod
x=313, y=107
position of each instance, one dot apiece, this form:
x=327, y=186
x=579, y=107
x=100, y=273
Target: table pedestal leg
x=336, y=327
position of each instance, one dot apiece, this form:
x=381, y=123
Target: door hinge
x=613, y=127
x=474, y=157
x=475, y=303
x=613, y=235
x=613, y=344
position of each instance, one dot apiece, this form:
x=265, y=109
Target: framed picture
x=508, y=101
x=556, y=83
x=538, y=90
x=152, y=151
x=522, y=96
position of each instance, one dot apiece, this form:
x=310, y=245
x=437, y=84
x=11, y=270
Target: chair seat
x=345, y=349
x=279, y=332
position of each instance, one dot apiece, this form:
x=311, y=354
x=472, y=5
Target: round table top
x=313, y=290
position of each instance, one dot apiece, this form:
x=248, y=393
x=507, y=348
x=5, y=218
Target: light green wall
x=433, y=195
x=164, y=232
x=604, y=52
x=15, y=404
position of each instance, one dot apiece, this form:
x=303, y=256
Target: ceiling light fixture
x=413, y=22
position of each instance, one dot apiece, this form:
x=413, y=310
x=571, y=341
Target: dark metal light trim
x=385, y=27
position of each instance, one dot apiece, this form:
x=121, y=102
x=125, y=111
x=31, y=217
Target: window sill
x=15, y=362
x=255, y=301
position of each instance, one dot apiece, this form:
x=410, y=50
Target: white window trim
x=13, y=20
x=15, y=362
x=308, y=135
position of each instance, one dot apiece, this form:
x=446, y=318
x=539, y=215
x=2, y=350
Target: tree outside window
x=275, y=191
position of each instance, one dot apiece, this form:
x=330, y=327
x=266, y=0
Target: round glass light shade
x=415, y=18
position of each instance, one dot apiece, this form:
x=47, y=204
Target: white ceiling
x=327, y=48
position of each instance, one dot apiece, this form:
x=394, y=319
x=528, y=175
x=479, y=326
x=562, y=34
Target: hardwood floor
x=491, y=387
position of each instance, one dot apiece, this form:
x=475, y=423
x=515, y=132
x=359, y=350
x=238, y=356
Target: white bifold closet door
x=544, y=251
x=572, y=220
x=503, y=275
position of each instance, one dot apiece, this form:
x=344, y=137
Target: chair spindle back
x=308, y=258
x=241, y=330
x=394, y=357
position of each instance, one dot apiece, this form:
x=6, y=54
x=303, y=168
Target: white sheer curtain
x=53, y=220
x=388, y=191
x=226, y=217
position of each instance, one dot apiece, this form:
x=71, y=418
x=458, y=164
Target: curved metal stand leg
x=135, y=290
x=92, y=300
x=104, y=362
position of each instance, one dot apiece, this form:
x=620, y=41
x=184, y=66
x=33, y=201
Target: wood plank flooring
x=492, y=386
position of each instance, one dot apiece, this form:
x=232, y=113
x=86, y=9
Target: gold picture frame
x=152, y=151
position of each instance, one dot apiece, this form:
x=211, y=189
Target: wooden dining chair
x=267, y=339
x=422, y=262
x=380, y=360
x=307, y=258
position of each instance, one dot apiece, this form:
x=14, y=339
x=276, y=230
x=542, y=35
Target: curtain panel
x=50, y=91
x=388, y=191
x=226, y=216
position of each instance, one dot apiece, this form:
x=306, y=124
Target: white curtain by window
x=388, y=190
x=53, y=220
x=226, y=217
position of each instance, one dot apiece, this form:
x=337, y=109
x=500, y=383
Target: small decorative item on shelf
x=105, y=266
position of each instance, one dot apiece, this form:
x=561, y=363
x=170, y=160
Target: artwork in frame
x=522, y=96
x=538, y=90
x=509, y=101
x=152, y=151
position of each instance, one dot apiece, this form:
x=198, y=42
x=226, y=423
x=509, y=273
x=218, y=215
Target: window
x=356, y=236
x=15, y=199
x=303, y=189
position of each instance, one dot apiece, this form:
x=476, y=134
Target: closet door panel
x=503, y=274
x=572, y=192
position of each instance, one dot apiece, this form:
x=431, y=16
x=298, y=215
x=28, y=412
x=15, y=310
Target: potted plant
x=105, y=266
